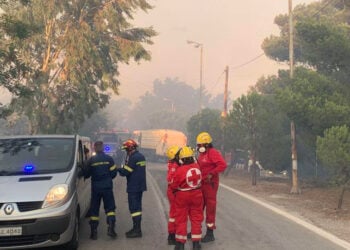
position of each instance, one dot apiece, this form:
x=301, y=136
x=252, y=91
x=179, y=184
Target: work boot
x=135, y=232
x=171, y=239
x=111, y=232
x=93, y=227
x=179, y=246
x=93, y=234
x=209, y=236
x=196, y=245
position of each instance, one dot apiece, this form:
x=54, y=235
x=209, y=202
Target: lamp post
x=199, y=45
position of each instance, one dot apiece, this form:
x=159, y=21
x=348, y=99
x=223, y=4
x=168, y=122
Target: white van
x=42, y=193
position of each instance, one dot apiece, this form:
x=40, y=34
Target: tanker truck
x=153, y=143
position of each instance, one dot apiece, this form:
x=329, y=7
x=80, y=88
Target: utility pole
x=225, y=92
x=224, y=113
x=295, y=186
x=291, y=39
x=201, y=79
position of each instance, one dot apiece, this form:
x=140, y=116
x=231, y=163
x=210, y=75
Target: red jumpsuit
x=210, y=162
x=188, y=201
x=172, y=166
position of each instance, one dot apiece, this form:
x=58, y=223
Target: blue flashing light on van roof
x=28, y=168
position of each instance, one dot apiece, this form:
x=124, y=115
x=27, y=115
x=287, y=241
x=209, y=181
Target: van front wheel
x=73, y=244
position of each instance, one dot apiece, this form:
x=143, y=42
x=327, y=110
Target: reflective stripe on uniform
x=112, y=168
x=181, y=237
x=210, y=225
x=94, y=218
x=128, y=168
x=171, y=219
x=136, y=214
x=100, y=163
x=110, y=213
x=141, y=163
x=196, y=236
x=187, y=189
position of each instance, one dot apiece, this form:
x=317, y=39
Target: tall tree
x=209, y=120
x=317, y=96
x=245, y=112
x=257, y=124
x=334, y=150
x=72, y=50
x=314, y=101
x=321, y=40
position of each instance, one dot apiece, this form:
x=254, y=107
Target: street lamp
x=199, y=45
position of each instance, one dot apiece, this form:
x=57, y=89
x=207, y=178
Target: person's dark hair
x=98, y=146
x=187, y=160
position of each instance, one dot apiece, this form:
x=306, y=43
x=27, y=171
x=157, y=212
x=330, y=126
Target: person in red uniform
x=173, y=163
x=211, y=163
x=188, y=199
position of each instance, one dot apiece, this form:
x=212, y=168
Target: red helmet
x=129, y=144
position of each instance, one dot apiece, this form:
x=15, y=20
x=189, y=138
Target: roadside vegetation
x=60, y=58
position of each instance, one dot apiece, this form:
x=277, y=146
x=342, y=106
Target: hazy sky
x=231, y=31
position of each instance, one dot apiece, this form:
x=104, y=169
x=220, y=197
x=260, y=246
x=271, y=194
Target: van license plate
x=10, y=231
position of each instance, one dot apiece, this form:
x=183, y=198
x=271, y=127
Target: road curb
x=162, y=200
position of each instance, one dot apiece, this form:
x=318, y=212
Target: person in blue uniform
x=102, y=170
x=134, y=170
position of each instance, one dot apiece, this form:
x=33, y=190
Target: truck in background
x=153, y=143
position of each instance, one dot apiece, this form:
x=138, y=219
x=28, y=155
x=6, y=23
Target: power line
x=246, y=63
x=262, y=54
x=323, y=7
x=257, y=57
x=235, y=67
x=217, y=81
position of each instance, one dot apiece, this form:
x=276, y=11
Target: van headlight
x=56, y=195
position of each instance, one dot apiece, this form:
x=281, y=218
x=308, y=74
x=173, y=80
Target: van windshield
x=23, y=156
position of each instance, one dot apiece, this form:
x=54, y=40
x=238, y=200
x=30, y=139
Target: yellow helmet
x=172, y=151
x=186, y=152
x=204, y=138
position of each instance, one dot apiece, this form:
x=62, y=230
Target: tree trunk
x=341, y=197
x=254, y=174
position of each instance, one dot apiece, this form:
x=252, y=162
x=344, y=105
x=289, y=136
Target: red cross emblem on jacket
x=193, y=177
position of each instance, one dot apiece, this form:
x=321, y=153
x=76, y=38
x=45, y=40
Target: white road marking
x=161, y=200
x=305, y=224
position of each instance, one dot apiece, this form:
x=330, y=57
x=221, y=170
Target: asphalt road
x=241, y=223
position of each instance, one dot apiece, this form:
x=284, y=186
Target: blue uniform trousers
x=108, y=202
x=135, y=205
